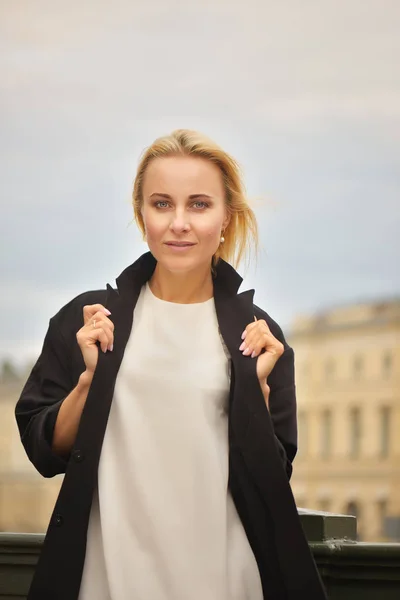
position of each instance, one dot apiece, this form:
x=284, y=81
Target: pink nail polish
x=107, y=312
x=112, y=347
x=253, y=354
x=242, y=346
x=244, y=334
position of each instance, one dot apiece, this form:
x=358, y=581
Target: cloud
x=291, y=61
x=305, y=94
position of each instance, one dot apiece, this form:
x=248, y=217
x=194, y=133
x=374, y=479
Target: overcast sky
x=305, y=94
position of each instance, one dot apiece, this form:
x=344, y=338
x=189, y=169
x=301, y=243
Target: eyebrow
x=191, y=197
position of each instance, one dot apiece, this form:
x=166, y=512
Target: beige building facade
x=26, y=498
x=348, y=393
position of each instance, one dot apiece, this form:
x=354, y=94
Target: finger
x=110, y=337
x=104, y=336
x=103, y=339
x=100, y=317
x=259, y=341
x=108, y=330
x=253, y=331
x=91, y=309
x=248, y=336
x=99, y=320
x=248, y=329
x=255, y=343
x=96, y=335
x=256, y=324
x=263, y=343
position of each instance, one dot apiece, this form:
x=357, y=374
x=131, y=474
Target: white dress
x=163, y=525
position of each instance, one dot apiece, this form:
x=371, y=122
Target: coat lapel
x=234, y=312
x=121, y=303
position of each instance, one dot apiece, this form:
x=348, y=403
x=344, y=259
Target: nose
x=179, y=222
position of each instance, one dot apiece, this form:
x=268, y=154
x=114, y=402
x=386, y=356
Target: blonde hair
x=241, y=232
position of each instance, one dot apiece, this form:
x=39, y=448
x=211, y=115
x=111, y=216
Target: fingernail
x=105, y=350
x=107, y=312
x=242, y=346
x=244, y=334
x=253, y=354
x=246, y=351
x=111, y=347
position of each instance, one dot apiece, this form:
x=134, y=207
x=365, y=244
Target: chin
x=179, y=264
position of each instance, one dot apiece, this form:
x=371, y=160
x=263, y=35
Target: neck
x=183, y=288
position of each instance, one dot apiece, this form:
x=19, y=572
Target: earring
x=222, y=239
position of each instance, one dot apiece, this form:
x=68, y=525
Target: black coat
x=262, y=444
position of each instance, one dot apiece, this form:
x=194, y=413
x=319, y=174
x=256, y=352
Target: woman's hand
x=97, y=328
x=258, y=341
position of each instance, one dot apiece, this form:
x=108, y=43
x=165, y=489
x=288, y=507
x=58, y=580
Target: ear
x=226, y=221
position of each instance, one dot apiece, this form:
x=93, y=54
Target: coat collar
x=226, y=279
x=234, y=311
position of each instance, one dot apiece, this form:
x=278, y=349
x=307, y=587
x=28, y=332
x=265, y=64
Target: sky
x=305, y=95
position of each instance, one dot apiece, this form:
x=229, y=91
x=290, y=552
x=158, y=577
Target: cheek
x=153, y=224
x=212, y=233
x=210, y=227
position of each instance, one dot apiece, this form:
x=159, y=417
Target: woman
x=169, y=404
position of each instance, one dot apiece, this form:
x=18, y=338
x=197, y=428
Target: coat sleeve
x=282, y=404
x=36, y=411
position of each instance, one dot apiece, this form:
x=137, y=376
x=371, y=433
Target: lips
x=180, y=244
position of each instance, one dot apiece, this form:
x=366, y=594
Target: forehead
x=183, y=173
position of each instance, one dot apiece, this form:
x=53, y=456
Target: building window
x=355, y=432
x=387, y=363
x=326, y=433
x=358, y=365
x=382, y=511
x=303, y=433
x=353, y=509
x=324, y=504
x=385, y=416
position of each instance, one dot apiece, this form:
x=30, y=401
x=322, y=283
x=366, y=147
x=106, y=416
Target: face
x=184, y=211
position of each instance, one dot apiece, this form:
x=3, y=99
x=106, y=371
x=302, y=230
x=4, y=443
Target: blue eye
x=198, y=205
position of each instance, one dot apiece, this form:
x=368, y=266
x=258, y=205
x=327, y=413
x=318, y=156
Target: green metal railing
x=351, y=570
